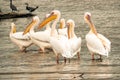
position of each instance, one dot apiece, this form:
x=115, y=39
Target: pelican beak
x=29, y=27
x=14, y=29
x=61, y=25
x=68, y=30
x=44, y=22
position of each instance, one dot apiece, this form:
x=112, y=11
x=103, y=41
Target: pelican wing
x=41, y=36
x=95, y=45
x=62, y=31
x=106, y=42
x=62, y=46
x=75, y=44
x=67, y=48
x=20, y=36
x=58, y=44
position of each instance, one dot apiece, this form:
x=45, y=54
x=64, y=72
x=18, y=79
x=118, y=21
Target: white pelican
x=40, y=38
x=55, y=15
x=62, y=30
x=60, y=43
x=22, y=41
x=96, y=42
x=75, y=42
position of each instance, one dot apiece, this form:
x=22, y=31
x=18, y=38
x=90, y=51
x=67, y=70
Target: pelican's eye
x=52, y=13
x=88, y=16
x=68, y=24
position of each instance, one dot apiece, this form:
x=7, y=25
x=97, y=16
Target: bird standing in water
x=22, y=41
x=13, y=7
x=96, y=42
x=30, y=9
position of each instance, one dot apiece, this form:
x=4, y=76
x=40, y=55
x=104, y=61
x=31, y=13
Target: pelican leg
x=23, y=49
x=57, y=59
x=78, y=54
x=64, y=59
x=69, y=60
x=100, y=58
x=93, y=57
x=42, y=50
x=57, y=56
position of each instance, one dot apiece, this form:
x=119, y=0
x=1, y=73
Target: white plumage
x=62, y=29
x=67, y=47
x=61, y=44
x=22, y=41
x=96, y=43
x=40, y=38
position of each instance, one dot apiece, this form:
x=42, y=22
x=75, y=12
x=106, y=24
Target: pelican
x=62, y=30
x=96, y=43
x=55, y=15
x=60, y=43
x=74, y=41
x=40, y=38
x=22, y=41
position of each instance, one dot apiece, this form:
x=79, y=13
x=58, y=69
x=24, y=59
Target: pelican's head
x=34, y=22
x=71, y=23
x=87, y=16
x=13, y=28
x=54, y=15
x=62, y=23
x=47, y=15
x=57, y=13
x=36, y=19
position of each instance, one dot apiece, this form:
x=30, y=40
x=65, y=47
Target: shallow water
x=34, y=65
